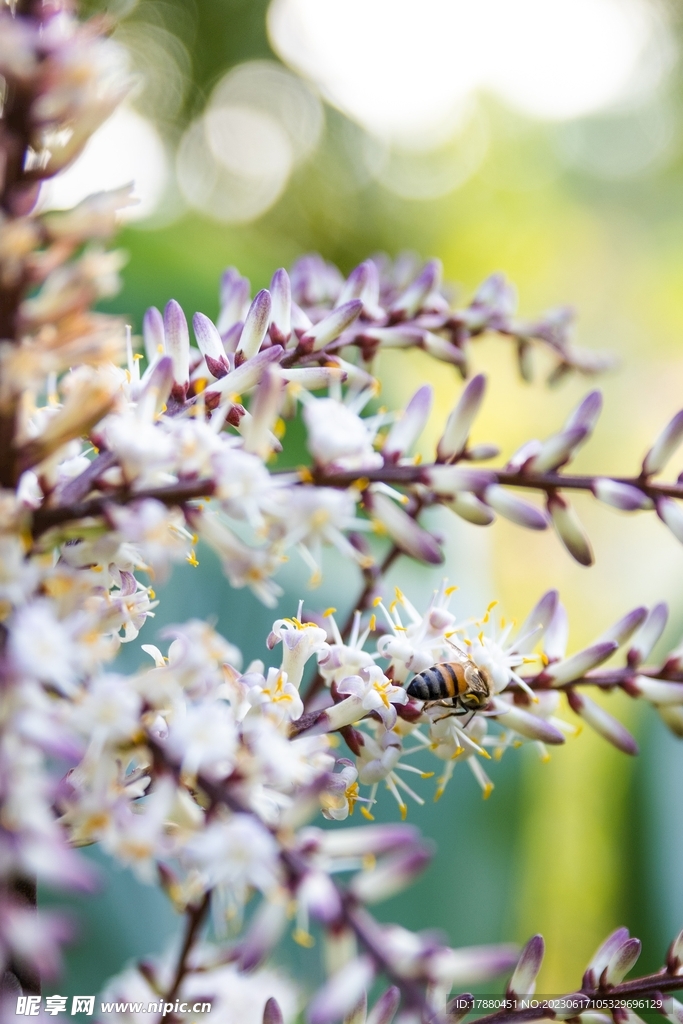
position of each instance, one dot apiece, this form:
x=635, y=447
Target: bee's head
x=478, y=690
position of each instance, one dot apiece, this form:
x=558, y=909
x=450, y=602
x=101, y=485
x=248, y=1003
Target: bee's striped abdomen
x=436, y=683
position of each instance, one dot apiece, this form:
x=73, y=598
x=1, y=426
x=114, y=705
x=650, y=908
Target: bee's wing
x=460, y=655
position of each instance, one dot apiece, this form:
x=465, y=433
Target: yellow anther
x=399, y=595
x=484, y=753
x=439, y=793
x=137, y=355
x=361, y=483
x=328, y=612
x=372, y=625
x=200, y=385
x=491, y=605
x=450, y=590
x=545, y=659
x=417, y=459
x=457, y=752
x=427, y=775
x=377, y=601
x=366, y=814
x=303, y=938
x=192, y=559
x=160, y=349
x=378, y=527
x=488, y=789
x=305, y=475
x=403, y=808
x=480, y=636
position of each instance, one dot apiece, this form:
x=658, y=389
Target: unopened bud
x=153, y=334
x=415, y=294
x=570, y=530
x=330, y=327
x=523, y=981
x=342, y=992
x=569, y=669
x=515, y=509
x=272, y=1014
x=406, y=533
x=532, y=726
x=602, y=957
x=178, y=347
x=625, y=497
x=409, y=425
x=605, y=724
x=255, y=325
x=281, y=307
x=671, y=513
x=665, y=446
x=210, y=345
x=621, y=962
x=648, y=634
x=386, y=1006
x=461, y=419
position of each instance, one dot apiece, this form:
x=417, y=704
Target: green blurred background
x=586, y=210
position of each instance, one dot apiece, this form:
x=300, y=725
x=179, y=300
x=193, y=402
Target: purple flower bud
x=390, y=875
x=622, y=630
x=320, y=895
x=458, y=1008
x=583, y=661
x=281, y=308
x=246, y=376
x=496, y=294
x=586, y=413
x=272, y=1014
x=671, y=513
x=461, y=419
x=386, y=1006
x=210, y=345
x=264, y=932
x=330, y=327
x=456, y=479
x=341, y=992
x=313, y=378
x=570, y=530
x=528, y=451
x=602, y=957
x=471, y=509
x=674, y=956
x=157, y=383
x=178, y=346
x=405, y=531
x=409, y=425
x=514, y=509
x=360, y=841
x=396, y=337
x=557, y=634
x=605, y=724
x=256, y=427
x=536, y=622
x=255, y=325
x=557, y=450
x=523, y=981
x=413, y=297
x=622, y=496
x=657, y=691
x=648, y=634
x=234, y=299
x=443, y=349
x=665, y=445
x=358, y=1014
x=356, y=282
x=153, y=334
x=621, y=962
x=532, y=726
x=470, y=965
x=481, y=452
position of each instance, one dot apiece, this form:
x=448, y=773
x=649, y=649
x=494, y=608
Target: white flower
x=109, y=711
x=421, y=643
x=238, y=853
x=338, y=436
x=300, y=641
x=275, y=696
x=203, y=738
x=375, y=693
x=43, y=648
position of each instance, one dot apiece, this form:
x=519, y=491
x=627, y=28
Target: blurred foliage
x=590, y=841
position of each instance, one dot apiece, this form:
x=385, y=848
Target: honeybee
x=457, y=684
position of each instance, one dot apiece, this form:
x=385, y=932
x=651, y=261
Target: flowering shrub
x=207, y=777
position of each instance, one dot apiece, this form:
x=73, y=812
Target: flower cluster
x=206, y=777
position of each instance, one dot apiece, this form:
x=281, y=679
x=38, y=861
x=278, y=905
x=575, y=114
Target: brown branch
x=171, y=494
x=195, y=918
